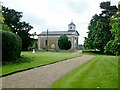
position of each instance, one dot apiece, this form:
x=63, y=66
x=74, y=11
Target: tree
x=25, y=39
x=113, y=46
x=88, y=43
x=4, y=27
x=99, y=28
x=64, y=43
x=107, y=9
x=103, y=34
x=12, y=19
x=24, y=34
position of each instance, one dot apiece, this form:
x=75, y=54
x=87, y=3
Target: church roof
x=44, y=33
x=72, y=24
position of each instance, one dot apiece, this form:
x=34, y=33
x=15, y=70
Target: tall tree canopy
x=99, y=28
x=92, y=33
x=113, y=46
x=12, y=19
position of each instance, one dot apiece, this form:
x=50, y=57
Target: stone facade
x=51, y=40
x=53, y=36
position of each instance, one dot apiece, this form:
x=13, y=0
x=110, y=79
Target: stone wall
x=51, y=41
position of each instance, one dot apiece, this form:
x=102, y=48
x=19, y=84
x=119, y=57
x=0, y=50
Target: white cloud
x=57, y=14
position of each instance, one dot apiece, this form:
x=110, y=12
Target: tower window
x=70, y=27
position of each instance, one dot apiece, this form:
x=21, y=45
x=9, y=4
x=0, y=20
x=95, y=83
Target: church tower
x=71, y=27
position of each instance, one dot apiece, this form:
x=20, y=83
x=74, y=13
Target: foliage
x=30, y=60
x=99, y=28
x=80, y=47
x=33, y=44
x=11, y=46
x=108, y=9
x=64, y=43
x=5, y=27
x=100, y=72
x=88, y=43
x=25, y=39
x=19, y=60
x=12, y=19
x=113, y=46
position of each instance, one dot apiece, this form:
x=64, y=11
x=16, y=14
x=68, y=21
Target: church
x=52, y=38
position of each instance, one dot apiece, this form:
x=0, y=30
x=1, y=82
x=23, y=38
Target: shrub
x=11, y=46
x=64, y=43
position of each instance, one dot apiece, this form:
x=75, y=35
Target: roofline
x=57, y=34
x=71, y=24
x=78, y=33
x=53, y=34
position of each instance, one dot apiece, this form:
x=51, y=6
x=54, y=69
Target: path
x=43, y=77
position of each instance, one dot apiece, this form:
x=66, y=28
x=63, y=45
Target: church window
x=46, y=42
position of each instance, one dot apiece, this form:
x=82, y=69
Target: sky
x=55, y=15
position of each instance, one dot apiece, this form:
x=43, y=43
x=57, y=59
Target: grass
x=30, y=60
x=100, y=72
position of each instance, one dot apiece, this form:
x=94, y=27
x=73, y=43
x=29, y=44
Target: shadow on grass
x=20, y=60
x=97, y=53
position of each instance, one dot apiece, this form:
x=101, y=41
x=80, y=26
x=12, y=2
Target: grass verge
x=100, y=72
x=29, y=60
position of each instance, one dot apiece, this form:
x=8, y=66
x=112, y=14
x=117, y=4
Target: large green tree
x=88, y=43
x=113, y=46
x=99, y=28
x=12, y=19
x=64, y=43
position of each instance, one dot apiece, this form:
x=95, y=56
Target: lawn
x=100, y=72
x=31, y=60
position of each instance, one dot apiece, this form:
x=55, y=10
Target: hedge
x=11, y=46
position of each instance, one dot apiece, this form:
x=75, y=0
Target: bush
x=11, y=46
x=64, y=43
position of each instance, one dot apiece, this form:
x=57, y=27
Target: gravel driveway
x=45, y=76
